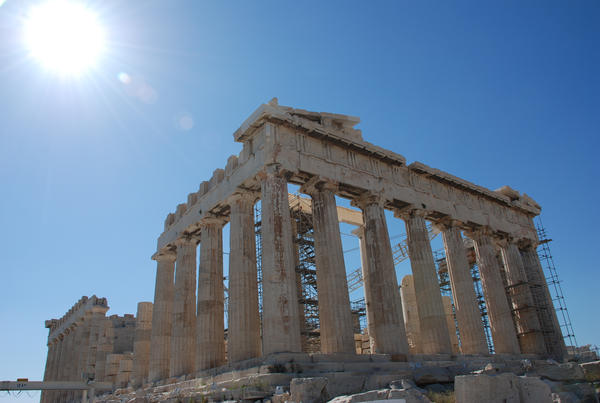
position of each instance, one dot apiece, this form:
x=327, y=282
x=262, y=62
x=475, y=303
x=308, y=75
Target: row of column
x=72, y=355
x=515, y=317
x=184, y=341
x=188, y=330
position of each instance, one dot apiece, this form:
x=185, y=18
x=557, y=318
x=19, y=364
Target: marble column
x=531, y=340
x=67, y=362
x=82, y=336
x=335, y=318
x=360, y=234
x=410, y=312
x=183, y=333
x=553, y=338
x=80, y=353
x=501, y=322
x=434, y=331
x=48, y=370
x=470, y=325
x=280, y=322
x=243, y=319
x=162, y=317
x=382, y=297
x=141, y=344
x=56, y=371
x=210, y=327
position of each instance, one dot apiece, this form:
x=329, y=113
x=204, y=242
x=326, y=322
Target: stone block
x=591, y=371
x=502, y=388
x=429, y=375
x=204, y=188
x=308, y=390
x=344, y=383
x=534, y=390
x=181, y=208
x=192, y=199
x=585, y=392
x=217, y=177
x=569, y=371
x=232, y=164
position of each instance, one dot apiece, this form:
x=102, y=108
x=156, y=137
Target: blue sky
x=498, y=93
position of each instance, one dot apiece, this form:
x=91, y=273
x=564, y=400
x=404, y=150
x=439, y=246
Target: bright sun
x=64, y=36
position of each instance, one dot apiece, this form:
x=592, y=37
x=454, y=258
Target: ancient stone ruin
x=180, y=346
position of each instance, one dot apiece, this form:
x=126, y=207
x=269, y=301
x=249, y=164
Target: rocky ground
x=281, y=379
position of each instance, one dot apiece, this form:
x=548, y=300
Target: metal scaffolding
x=306, y=275
x=554, y=286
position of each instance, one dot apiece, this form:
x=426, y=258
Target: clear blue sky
x=498, y=93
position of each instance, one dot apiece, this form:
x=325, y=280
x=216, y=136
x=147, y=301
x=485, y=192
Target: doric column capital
x=409, y=212
x=504, y=240
x=243, y=195
x=367, y=199
x=526, y=243
x=446, y=223
x=212, y=220
x=476, y=232
x=165, y=254
x=319, y=184
x=273, y=170
x=186, y=239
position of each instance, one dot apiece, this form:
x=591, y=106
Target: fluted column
x=141, y=343
x=553, y=338
x=410, y=312
x=162, y=317
x=54, y=370
x=80, y=353
x=281, y=325
x=360, y=234
x=470, y=325
x=335, y=318
x=48, y=376
x=434, y=331
x=384, y=306
x=210, y=328
x=67, y=360
x=501, y=322
x=183, y=334
x=58, y=365
x=529, y=333
x=243, y=319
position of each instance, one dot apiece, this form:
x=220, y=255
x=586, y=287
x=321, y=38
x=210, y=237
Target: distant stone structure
x=184, y=333
x=86, y=345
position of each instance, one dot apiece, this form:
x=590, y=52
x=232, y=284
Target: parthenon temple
x=198, y=327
